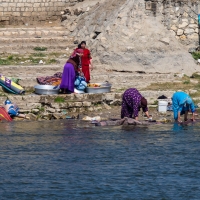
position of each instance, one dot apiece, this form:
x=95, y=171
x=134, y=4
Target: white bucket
x=162, y=106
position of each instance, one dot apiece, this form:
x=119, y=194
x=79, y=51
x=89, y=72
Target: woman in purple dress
x=69, y=72
x=132, y=101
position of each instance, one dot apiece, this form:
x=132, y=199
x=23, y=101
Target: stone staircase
x=25, y=39
x=119, y=80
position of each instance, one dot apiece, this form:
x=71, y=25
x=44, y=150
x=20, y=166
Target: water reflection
x=67, y=160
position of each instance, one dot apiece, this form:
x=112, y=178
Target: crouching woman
x=132, y=101
x=182, y=103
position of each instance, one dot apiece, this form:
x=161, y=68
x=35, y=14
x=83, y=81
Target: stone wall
x=47, y=106
x=14, y=12
x=181, y=17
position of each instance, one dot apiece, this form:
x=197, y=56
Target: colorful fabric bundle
x=4, y=115
x=10, y=85
x=50, y=80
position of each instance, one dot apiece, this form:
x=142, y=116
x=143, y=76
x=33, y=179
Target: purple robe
x=68, y=77
x=131, y=103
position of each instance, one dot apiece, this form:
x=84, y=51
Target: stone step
x=30, y=71
x=32, y=32
x=25, y=49
x=8, y=45
x=51, y=40
x=125, y=77
x=120, y=81
x=33, y=101
x=95, y=74
x=29, y=82
x=25, y=28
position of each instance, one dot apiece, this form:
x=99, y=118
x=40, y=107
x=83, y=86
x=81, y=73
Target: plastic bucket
x=162, y=106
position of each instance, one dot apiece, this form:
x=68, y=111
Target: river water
x=67, y=160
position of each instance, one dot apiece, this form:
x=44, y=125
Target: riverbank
x=47, y=107
x=151, y=86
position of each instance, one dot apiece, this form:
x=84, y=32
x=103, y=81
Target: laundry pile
x=50, y=80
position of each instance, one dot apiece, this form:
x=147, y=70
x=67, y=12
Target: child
x=13, y=110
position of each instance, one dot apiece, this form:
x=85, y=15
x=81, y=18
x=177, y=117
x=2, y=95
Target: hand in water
x=150, y=117
x=179, y=120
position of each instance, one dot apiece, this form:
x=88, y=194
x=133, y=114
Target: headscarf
x=143, y=102
x=189, y=101
x=76, y=51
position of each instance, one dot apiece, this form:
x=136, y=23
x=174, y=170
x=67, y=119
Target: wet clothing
x=85, y=62
x=131, y=103
x=182, y=102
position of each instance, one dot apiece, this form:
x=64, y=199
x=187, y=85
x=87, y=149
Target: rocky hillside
x=123, y=37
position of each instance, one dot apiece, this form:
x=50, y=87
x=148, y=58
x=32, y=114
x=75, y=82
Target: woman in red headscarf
x=86, y=61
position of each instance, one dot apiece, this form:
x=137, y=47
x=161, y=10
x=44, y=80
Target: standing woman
x=86, y=61
x=132, y=101
x=69, y=72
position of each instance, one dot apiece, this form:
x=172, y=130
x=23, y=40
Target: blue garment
x=13, y=111
x=182, y=102
x=80, y=83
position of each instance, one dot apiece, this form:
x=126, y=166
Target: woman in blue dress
x=182, y=103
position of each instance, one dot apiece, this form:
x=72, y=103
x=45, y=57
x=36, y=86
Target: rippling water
x=63, y=160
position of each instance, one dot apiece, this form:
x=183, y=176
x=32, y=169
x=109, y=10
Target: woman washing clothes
x=69, y=72
x=86, y=61
x=132, y=101
x=182, y=103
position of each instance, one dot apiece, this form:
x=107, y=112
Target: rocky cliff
x=124, y=37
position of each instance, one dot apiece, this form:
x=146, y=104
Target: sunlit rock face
x=132, y=35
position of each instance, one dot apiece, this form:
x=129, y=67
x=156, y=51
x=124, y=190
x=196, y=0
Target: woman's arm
x=192, y=108
x=147, y=114
x=91, y=65
x=90, y=60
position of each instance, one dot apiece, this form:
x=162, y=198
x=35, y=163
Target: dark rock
x=192, y=50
